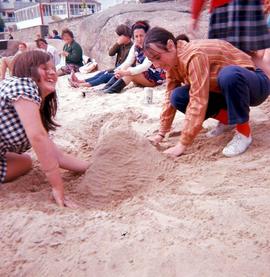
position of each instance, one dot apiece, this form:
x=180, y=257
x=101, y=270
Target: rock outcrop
x=96, y=32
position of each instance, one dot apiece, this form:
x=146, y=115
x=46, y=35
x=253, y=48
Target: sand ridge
x=200, y=214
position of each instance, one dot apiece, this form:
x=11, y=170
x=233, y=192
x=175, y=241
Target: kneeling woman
x=27, y=107
x=220, y=81
x=144, y=73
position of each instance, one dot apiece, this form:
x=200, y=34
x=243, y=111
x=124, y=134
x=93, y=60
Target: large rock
x=96, y=32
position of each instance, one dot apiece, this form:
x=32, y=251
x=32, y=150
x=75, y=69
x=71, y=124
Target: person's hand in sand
x=156, y=139
x=176, y=150
x=61, y=200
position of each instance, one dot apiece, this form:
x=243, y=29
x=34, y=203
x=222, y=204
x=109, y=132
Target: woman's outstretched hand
x=63, y=201
x=69, y=203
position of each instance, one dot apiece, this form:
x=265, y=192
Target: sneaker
x=219, y=129
x=238, y=145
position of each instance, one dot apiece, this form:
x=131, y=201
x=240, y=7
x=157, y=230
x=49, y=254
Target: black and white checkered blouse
x=12, y=134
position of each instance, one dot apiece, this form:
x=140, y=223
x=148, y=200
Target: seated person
x=120, y=49
x=51, y=50
x=72, y=52
x=28, y=108
x=7, y=62
x=55, y=35
x=144, y=73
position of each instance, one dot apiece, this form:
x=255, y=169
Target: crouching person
x=220, y=81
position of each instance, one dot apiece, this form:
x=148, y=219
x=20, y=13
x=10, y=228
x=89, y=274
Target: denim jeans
x=240, y=89
x=100, y=78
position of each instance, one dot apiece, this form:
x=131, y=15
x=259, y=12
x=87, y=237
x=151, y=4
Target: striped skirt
x=242, y=23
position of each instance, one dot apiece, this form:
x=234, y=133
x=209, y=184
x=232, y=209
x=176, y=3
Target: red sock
x=244, y=129
x=222, y=117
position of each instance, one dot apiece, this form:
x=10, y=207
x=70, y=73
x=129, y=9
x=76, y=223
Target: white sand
x=141, y=213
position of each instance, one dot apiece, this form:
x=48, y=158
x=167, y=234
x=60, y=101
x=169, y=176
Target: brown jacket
x=121, y=50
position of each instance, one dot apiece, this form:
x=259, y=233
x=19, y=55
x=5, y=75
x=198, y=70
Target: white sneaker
x=238, y=145
x=219, y=129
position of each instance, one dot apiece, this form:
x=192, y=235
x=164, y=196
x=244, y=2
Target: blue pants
x=100, y=78
x=240, y=89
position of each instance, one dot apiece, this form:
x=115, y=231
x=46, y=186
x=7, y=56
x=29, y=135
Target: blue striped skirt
x=242, y=23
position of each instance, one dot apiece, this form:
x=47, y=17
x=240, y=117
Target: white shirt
x=131, y=58
x=55, y=56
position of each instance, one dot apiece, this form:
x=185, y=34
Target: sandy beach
x=141, y=213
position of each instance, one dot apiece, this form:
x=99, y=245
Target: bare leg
x=74, y=78
x=17, y=165
x=85, y=85
x=79, y=84
x=80, y=81
x=138, y=79
x=3, y=68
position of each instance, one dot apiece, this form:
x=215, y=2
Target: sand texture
x=141, y=213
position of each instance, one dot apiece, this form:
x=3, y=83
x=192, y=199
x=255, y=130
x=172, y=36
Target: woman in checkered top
x=28, y=105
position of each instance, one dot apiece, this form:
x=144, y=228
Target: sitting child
x=72, y=52
x=144, y=73
x=51, y=50
x=120, y=49
x=7, y=62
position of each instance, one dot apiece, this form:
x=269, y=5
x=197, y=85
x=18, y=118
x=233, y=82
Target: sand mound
x=123, y=163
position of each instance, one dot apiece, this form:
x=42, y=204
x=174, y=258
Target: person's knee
x=27, y=161
x=17, y=165
x=230, y=76
x=179, y=99
x=174, y=98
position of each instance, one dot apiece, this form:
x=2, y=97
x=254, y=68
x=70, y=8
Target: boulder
x=96, y=32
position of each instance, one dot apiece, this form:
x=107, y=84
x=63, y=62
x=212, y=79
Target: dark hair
x=40, y=40
x=142, y=24
x=182, y=37
x=26, y=65
x=55, y=32
x=67, y=31
x=123, y=30
x=158, y=36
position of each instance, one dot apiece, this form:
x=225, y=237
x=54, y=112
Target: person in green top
x=73, y=53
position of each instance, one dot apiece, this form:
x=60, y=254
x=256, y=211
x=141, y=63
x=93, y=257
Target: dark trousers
x=100, y=78
x=240, y=89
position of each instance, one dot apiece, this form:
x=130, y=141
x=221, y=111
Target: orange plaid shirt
x=199, y=63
